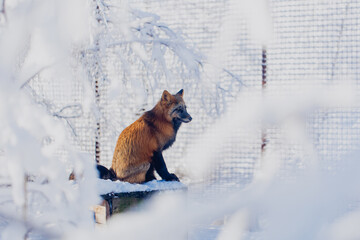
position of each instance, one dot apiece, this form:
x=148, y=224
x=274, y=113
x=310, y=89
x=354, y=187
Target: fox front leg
x=150, y=174
x=160, y=167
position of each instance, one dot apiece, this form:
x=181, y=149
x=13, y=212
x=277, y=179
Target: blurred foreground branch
x=3, y=10
x=31, y=225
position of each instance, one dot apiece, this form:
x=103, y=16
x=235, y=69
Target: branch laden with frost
x=32, y=141
x=66, y=113
x=30, y=225
x=132, y=47
x=36, y=74
x=156, y=37
x=3, y=10
x=100, y=12
x=148, y=41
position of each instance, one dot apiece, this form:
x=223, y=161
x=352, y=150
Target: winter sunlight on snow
x=271, y=151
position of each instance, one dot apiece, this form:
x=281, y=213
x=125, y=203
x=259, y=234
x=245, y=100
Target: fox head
x=174, y=106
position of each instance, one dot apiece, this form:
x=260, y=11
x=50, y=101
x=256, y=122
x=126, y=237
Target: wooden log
x=120, y=202
x=123, y=201
x=101, y=212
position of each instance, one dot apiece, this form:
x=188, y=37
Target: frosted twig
x=338, y=42
x=100, y=5
x=236, y=77
x=48, y=107
x=76, y=111
x=31, y=225
x=32, y=76
x=3, y=10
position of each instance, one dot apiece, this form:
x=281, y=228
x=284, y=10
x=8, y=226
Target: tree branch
x=3, y=10
x=31, y=225
x=32, y=76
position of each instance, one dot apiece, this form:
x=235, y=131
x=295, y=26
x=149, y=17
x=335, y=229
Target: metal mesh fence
x=205, y=23
x=317, y=44
x=316, y=48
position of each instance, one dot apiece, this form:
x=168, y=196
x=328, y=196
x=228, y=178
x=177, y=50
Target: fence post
x=97, y=133
x=97, y=90
x=263, y=88
x=25, y=206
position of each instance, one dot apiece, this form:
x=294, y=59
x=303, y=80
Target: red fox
x=138, y=151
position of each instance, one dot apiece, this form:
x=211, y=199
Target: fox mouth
x=185, y=120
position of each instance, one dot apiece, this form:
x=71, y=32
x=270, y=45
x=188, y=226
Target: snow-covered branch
x=29, y=224
x=37, y=45
x=3, y=10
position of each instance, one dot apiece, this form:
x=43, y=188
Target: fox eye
x=181, y=110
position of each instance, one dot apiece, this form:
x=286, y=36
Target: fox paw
x=172, y=177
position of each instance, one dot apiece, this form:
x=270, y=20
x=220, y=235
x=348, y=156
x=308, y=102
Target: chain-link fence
x=316, y=44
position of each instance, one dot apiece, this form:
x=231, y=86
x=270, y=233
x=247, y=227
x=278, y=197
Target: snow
x=108, y=186
x=43, y=34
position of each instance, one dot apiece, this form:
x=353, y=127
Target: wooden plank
x=123, y=201
x=100, y=214
x=120, y=202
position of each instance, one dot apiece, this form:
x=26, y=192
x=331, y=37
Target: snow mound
x=108, y=186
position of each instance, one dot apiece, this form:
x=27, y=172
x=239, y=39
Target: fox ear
x=181, y=92
x=165, y=96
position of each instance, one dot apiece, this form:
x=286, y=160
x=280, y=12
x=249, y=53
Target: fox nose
x=190, y=118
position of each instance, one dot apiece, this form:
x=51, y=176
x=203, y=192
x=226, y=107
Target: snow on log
x=122, y=196
x=107, y=186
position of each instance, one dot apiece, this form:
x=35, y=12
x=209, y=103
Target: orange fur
x=137, y=143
